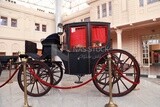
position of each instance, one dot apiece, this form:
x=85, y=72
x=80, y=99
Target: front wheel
x=57, y=72
x=125, y=73
x=34, y=87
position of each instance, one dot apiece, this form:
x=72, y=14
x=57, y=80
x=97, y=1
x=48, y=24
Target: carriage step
x=78, y=82
x=79, y=79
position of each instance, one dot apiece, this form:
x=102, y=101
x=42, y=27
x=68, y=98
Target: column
x=58, y=14
x=119, y=38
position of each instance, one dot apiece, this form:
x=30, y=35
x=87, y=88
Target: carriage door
x=78, y=55
x=99, y=42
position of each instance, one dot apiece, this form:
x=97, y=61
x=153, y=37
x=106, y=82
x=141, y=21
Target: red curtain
x=99, y=34
x=78, y=37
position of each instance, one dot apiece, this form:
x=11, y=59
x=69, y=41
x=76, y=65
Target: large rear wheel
x=124, y=69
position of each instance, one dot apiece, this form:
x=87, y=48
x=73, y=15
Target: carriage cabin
x=84, y=43
x=86, y=35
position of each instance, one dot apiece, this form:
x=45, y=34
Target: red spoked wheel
x=34, y=87
x=57, y=72
x=124, y=69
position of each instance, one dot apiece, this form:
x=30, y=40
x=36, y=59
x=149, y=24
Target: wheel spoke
x=56, y=76
x=37, y=87
x=42, y=85
x=104, y=86
x=32, y=87
x=124, y=84
x=118, y=86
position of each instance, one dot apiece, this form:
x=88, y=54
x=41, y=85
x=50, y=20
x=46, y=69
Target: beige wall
x=131, y=14
x=134, y=21
x=76, y=17
x=25, y=30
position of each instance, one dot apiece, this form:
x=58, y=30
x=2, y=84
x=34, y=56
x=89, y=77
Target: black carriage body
x=83, y=44
x=47, y=43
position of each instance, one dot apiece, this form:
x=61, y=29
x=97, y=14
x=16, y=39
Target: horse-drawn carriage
x=83, y=48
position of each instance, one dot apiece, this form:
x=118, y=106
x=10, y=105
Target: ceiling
x=69, y=6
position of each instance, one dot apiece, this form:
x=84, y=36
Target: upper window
x=141, y=3
x=104, y=10
x=2, y=53
x=151, y=1
x=13, y=22
x=3, y=21
x=110, y=8
x=44, y=28
x=37, y=26
x=15, y=53
x=87, y=19
x=98, y=12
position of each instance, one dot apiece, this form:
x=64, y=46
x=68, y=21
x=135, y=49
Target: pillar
x=119, y=38
x=58, y=14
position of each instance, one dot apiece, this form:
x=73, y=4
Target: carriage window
x=99, y=36
x=77, y=37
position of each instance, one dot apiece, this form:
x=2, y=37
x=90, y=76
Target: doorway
x=155, y=54
x=150, y=50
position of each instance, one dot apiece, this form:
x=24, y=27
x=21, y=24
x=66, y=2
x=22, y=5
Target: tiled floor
x=146, y=94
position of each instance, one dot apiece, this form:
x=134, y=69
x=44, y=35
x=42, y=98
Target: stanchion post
x=10, y=68
x=24, y=60
x=110, y=103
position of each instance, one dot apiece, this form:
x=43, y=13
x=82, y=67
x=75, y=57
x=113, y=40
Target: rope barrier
x=67, y=87
x=9, y=78
x=120, y=72
x=76, y=86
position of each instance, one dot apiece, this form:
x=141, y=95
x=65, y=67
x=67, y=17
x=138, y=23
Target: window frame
x=12, y=22
x=110, y=8
x=141, y=3
x=152, y=1
x=87, y=19
x=37, y=27
x=4, y=20
x=98, y=12
x=104, y=10
x=44, y=28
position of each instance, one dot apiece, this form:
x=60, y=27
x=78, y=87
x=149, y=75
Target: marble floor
x=146, y=94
